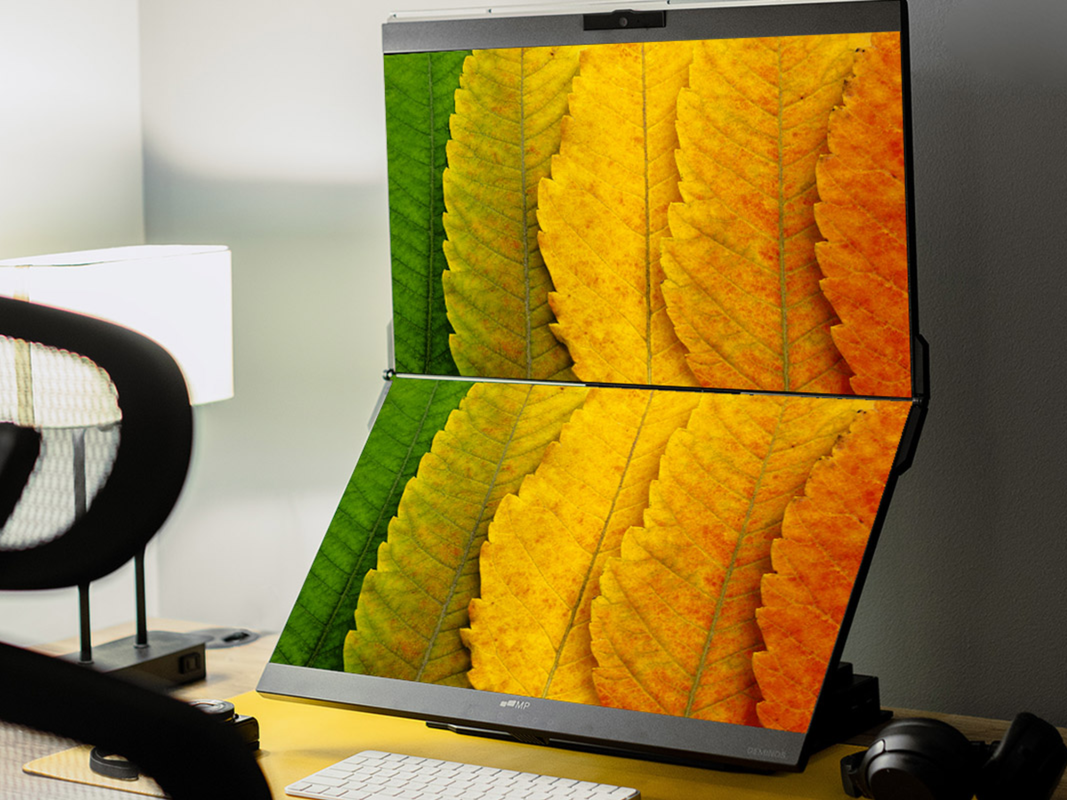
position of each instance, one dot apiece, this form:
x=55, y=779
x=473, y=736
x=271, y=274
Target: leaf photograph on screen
x=716, y=213
x=630, y=239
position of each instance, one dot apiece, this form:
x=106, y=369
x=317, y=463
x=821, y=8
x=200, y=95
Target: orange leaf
x=824, y=536
x=863, y=217
x=675, y=626
x=604, y=211
x=742, y=278
x=547, y=545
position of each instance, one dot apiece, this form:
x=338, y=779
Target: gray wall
x=263, y=132
x=965, y=605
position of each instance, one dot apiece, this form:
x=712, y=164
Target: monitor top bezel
x=687, y=22
x=560, y=7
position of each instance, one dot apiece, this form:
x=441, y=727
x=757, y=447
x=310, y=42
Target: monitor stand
x=851, y=706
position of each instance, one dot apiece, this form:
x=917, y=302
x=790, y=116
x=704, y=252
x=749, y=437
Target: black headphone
x=926, y=759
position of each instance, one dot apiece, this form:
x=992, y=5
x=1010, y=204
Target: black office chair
x=187, y=752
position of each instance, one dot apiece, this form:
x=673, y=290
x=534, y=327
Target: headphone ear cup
x=1026, y=764
x=913, y=759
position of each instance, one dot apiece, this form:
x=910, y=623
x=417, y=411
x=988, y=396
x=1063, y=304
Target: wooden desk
x=236, y=670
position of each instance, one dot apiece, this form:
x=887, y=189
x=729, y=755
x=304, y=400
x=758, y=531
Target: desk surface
x=233, y=671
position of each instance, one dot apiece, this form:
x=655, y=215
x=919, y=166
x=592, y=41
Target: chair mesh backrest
x=73, y=404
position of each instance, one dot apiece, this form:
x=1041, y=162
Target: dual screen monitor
x=655, y=359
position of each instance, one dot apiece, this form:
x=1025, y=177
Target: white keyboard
x=374, y=775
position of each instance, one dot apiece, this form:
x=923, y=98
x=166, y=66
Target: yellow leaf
x=824, y=536
x=742, y=278
x=547, y=545
x=604, y=211
x=506, y=128
x=413, y=605
x=675, y=625
x=862, y=214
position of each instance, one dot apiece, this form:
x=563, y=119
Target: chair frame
x=151, y=461
x=188, y=753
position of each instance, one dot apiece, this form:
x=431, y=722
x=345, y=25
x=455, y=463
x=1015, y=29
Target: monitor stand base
x=167, y=660
x=851, y=705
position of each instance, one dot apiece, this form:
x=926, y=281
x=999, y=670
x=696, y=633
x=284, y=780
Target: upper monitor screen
x=721, y=213
x=671, y=272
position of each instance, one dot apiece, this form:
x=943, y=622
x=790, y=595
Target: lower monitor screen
x=532, y=552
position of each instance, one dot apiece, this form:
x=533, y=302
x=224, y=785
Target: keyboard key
x=327, y=780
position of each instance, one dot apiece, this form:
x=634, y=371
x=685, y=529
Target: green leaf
x=419, y=99
x=413, y=412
